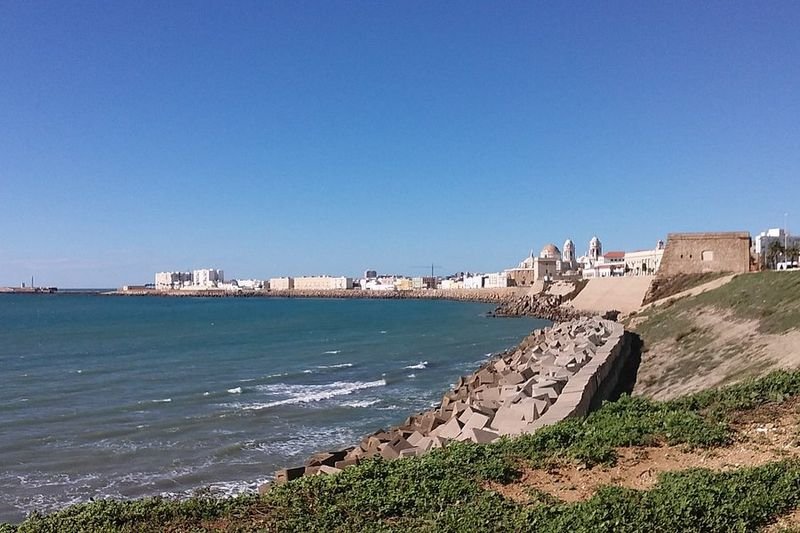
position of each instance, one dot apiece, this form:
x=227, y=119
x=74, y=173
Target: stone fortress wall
x=697, y=253
x=554, y=373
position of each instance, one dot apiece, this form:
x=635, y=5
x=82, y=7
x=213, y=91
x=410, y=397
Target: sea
x=125, y=397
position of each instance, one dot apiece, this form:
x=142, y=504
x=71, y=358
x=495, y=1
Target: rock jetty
x=551, y=375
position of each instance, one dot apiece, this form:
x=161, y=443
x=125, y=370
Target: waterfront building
x=644, y=262
x=548, y=266
x=370, y=274
x=496, y=280
x=281, y=284
x=451, y=284
x=322, y=283
x=474, y=281
x=371, y=284
x=207, y=278
x=424, y=282
x=172, y=280
x=251, y=284
x=404, y=284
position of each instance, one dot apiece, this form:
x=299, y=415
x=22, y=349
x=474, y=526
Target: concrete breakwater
x=554, y=373
x=470, y=295
x=511, y=301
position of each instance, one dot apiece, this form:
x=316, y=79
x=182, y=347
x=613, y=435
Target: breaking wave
x=419, y=366
x=311, y=393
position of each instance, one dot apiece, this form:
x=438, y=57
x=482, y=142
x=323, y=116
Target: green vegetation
x=447, y=489
x=771, y=298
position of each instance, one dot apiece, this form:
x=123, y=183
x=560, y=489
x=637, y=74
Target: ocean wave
x=332, y=352
x=418, y=366
x=235, y=390
x=360, y=403
x=165, y=400
x=412, y=376
x=311, y=393
x=342, y=365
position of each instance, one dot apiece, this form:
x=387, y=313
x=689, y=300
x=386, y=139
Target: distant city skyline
x=291, y=138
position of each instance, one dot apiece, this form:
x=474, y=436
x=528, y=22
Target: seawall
x=555, y=373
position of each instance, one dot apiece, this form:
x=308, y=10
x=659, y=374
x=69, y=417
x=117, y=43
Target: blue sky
x=274, y=138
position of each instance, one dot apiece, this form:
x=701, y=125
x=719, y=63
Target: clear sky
x=272, y=138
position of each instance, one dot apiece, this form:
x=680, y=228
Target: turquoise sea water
x=125, y=397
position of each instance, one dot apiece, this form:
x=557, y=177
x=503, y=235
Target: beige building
x=281, y=284
x=404, y=284
x=694, y=253
x=322, y=283
x=547, y=267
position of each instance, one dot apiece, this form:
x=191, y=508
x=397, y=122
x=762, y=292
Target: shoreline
x=458, y=295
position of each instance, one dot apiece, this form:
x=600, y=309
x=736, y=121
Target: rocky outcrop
x=552, y=374
x=539, y=306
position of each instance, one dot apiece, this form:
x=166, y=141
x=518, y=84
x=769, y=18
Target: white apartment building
x=495, y=280
x=207, y=278
x=322, y=283
x=451, y=284
x=281, y=284
x=172, y=280
x=377, y=285
x=474, y=282
x=763, y=240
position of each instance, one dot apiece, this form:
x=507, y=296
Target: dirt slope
x=743, y=328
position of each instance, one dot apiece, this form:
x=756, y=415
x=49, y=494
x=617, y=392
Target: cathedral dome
x=550, y=251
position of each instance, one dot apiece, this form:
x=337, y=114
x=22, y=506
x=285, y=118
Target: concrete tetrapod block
x=410, y=452
x=345, y=463
x=508, y=420
x=482, y=436
x=425, y=444
x=511, y=378
x=414, y=438
x=477, y=420
x=288, y=474
x=450, y=430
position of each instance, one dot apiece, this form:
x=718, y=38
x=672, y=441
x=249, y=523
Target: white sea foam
x=412, y=376
x=419, y=366
x=311, y=393
x=342, y=365
x=332, y=352
x=235, y=390
x=360, y=403
x=165, y=400
x=307, y=371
